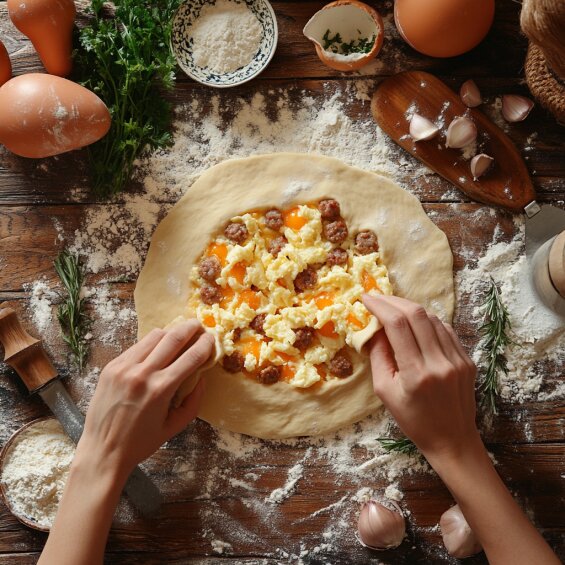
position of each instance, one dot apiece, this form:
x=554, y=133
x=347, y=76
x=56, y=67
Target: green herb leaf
x=126, y=61
x=336, y=45
x=71, y=313
x=495, y=331
x=402, y=445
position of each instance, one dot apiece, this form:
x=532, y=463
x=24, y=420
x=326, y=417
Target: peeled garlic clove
x=480, y=164
x=470, y=94
x=458, y=538
x=516, y=108
x=421, y=128
x=381, y=526
x=460, y=133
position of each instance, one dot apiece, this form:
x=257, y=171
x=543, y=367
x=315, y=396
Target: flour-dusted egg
x=44, y=115
x=443, y=28
x=5, y=65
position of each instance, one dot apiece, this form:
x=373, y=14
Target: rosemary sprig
x=402, y=445
x=495, y=331
x=71, y=314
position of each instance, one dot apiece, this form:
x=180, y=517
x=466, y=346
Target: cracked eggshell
x=351, y=19
x=43, y=115
x=5, y=65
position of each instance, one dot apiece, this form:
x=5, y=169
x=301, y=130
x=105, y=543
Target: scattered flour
x=294, y=475
x=36, y=470
x=113, y=239
x=226, y=35
x=219, y=546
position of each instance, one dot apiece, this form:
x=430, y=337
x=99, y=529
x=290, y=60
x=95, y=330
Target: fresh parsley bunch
x=126, y=60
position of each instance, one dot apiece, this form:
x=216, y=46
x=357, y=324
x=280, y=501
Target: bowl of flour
x=223, y=43
x=34, y=466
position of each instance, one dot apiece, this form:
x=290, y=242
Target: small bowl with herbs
x=347, y=34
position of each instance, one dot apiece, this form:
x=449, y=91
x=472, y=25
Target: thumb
x=181, y=416
x=383, y=365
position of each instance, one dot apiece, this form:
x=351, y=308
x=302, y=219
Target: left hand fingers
x=180, y=417
x=172, y=345
x=193, y=358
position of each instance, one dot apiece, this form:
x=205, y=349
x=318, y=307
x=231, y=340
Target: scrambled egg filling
x=253, y=281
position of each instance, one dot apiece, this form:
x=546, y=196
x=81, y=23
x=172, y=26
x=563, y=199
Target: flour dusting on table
x=113, y=240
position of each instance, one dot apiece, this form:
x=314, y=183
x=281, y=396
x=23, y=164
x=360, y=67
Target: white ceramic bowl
x=181, y=44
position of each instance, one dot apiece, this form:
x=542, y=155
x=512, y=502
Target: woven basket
x=543, y=21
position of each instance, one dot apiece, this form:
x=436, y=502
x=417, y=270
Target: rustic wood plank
x=65, y=178
x=526, y=439
x=528, y=468
x=502, y=53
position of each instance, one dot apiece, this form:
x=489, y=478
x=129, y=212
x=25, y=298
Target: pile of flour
x=36, y=469
x=225, y=36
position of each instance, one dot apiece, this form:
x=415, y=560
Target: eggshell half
x=443, y=28
x=43, y=115
x=5, y=65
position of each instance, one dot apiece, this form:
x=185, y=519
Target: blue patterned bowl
x=181, y=43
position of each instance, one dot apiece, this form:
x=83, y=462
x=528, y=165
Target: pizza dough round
x=415, y=251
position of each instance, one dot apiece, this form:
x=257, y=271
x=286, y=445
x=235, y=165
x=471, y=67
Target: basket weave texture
x=543, y=22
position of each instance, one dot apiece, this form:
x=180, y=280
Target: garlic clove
x=460, y=133
x=470, y=94
x=516, y=108
x=458, y=538
x=480, y=164
x=421, y=128
x=381, y=526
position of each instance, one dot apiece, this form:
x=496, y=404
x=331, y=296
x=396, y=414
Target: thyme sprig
x=495, y=331
x=73, y=319
x=402, y=445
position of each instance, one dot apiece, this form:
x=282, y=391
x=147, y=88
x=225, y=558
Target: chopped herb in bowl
x=336, y=44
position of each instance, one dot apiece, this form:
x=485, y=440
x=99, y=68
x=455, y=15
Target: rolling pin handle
x=24, y=353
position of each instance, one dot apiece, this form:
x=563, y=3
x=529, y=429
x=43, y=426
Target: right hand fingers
x=398, y=331
x=383, y=366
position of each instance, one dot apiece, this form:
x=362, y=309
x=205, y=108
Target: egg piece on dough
x=43, y=115
x=443, y=28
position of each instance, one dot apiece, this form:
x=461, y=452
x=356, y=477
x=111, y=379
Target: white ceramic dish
x=181, y=44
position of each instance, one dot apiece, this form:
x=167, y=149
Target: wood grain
x=43, y=200
x=506, y=185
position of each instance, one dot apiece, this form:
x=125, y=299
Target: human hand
x=130, y=415
x=423, y=376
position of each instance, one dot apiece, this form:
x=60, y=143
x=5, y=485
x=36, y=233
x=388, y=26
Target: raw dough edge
x=415, y=251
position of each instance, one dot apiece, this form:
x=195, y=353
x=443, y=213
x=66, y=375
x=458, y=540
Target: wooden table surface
x=34, y=198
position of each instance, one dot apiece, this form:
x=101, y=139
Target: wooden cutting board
x=507, y=184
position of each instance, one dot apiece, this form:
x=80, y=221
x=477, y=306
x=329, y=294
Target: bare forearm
x=504, y=531
x=83, y=521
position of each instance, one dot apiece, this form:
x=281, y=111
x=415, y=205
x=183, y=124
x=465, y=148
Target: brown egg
x=5, y=65
x=351, y=19
x=43, y=115
x=443, y=28
x=49, y=25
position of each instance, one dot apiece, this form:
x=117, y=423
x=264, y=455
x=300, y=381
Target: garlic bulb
x=470, y=94
x=480, y=164
x=421, y=128
x=458, y=538
x=460, y=133
x=381, y=526
x=516, y=108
